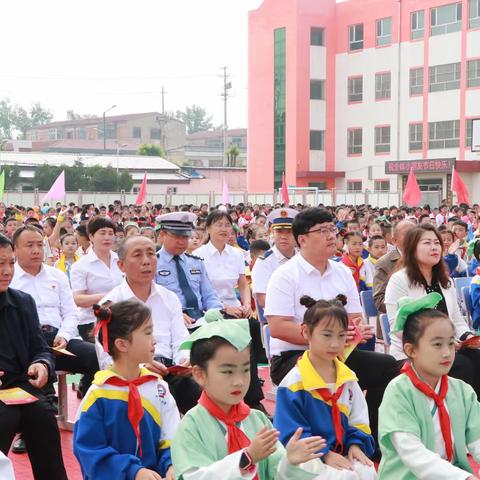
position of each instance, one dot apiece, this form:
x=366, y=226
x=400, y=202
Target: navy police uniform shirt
x=197, y=277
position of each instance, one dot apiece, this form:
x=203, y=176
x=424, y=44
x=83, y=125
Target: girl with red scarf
x=221, y=438
x=128, y=416
x=352, y=258
x=428, y=420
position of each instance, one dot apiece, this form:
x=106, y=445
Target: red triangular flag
x=412, y=194
x=459, y=187
x=142, y=193
x=285, y=198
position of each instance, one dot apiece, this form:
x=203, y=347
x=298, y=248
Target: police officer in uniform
x=185, y=275
x=280, y=221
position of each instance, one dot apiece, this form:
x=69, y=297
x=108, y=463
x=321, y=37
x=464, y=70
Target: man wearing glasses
x=312, y=273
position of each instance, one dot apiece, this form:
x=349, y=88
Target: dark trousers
x=38, y=426
x=85, y=360
x=85, y=332
x=374, y=372
x=466, y=367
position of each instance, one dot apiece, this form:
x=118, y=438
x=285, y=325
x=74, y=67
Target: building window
x=137, y=132
x=418, y=24
x=317, y=139
x=382, y=139
x=52, y=134
x=354, y=141
x=474, y=14
x=317, y=89
x=279, y=108
x=317, y=36
x=354, y=185
x=382, y=86
x=473, y=72
x=446, y=19
x=356, y=36
x=81, y=134
x=416, y=81
x=69, y=134
x=236, y=141
x=444, y=134
x=444, y=77
x=155, y=134
x=32, y=135
x=355, y=89
x=381, y=185
x=384, y=31
x=319, y=185
x=415, y=136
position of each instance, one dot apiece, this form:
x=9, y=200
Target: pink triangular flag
x=57, y=190
x=142, y=193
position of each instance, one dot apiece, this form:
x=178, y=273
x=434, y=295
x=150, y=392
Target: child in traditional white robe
x=428, y=420
x=128, y=417
x=321, y=395
x=221, y=438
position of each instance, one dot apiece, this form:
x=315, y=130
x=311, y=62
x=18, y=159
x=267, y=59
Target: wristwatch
x=246, y=463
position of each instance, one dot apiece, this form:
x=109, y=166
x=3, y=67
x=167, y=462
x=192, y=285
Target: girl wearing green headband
x=427, y=420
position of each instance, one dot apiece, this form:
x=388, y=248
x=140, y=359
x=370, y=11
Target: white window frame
x=444, y=77
x=355, y=94
x=355, y=141
x=444, y=134
x=416, y=31
x=454, y=25
x=354, y=40
x=416, y=88
x=415, y=137
x=383, y=36
x=382, y=139
x=474, y=14
x=383, y=86
x=473, y=73
x=351, y=184
x=381, y=185
x=52, y=134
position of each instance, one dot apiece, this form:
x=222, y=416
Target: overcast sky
x=91, y=54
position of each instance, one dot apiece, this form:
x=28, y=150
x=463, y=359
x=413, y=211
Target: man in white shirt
x=280, y=221
x=56, y=309
x=138, y=261
x=312, y=273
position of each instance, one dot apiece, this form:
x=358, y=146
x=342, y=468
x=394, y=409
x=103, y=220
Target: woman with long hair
x=422, y=270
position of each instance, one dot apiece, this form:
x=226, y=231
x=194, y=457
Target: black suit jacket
x=29, y=345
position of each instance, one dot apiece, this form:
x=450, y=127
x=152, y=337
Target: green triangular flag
x=2, y=183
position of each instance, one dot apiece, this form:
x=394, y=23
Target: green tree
x=45, y=175
x=232, y=153
x=6, y=118
x=125, y=181
x=150, y=150
x=103, y=179
x=12, y=176
x=195, y=118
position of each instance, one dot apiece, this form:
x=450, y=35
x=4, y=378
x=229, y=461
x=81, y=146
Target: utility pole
x=226, y=86
x=163, y=100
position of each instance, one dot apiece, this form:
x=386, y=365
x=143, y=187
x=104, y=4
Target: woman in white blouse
x=423, y=270
x=225, y=266
x=96, y=273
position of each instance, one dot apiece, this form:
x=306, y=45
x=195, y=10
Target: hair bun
x=307, y=301
x=102, y=312
x=341, y=298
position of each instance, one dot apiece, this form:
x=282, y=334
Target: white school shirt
x=91, y=275
x=53, y=298
x=297, y=278
x=223, y=269
x=264, y=268
x=168, y=327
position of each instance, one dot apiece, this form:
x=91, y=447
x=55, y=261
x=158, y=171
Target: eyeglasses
x=324, y=231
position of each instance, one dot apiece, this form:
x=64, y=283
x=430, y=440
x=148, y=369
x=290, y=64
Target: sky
x=88, y=55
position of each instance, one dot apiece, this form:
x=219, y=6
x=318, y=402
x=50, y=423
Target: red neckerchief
x=354, y=267
x=135, y=408
x=336, y=414
x=236, y=439
x=439, y=400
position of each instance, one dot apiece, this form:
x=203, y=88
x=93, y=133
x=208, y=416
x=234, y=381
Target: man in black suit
x=26, y=362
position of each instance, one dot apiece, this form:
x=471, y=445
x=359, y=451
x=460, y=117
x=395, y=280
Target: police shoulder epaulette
x=266, y=254
x=193, y=256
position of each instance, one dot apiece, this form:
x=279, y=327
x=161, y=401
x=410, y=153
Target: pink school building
x=351, y=95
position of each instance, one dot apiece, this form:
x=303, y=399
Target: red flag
x=142, y=193
x=459, y=187
x=285, y=198
x=412, y=194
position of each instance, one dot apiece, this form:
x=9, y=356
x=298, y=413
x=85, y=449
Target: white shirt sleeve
x=260, y=275
x=423, y=463
x=68, y=310
x=227, y=469
x=78, y=277
x=458, y=319
x=280, y=295
x=353, y=297
x=179, y=332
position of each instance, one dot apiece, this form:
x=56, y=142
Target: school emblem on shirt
x=164, y=273
x=162, y=391
x=195, y=271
